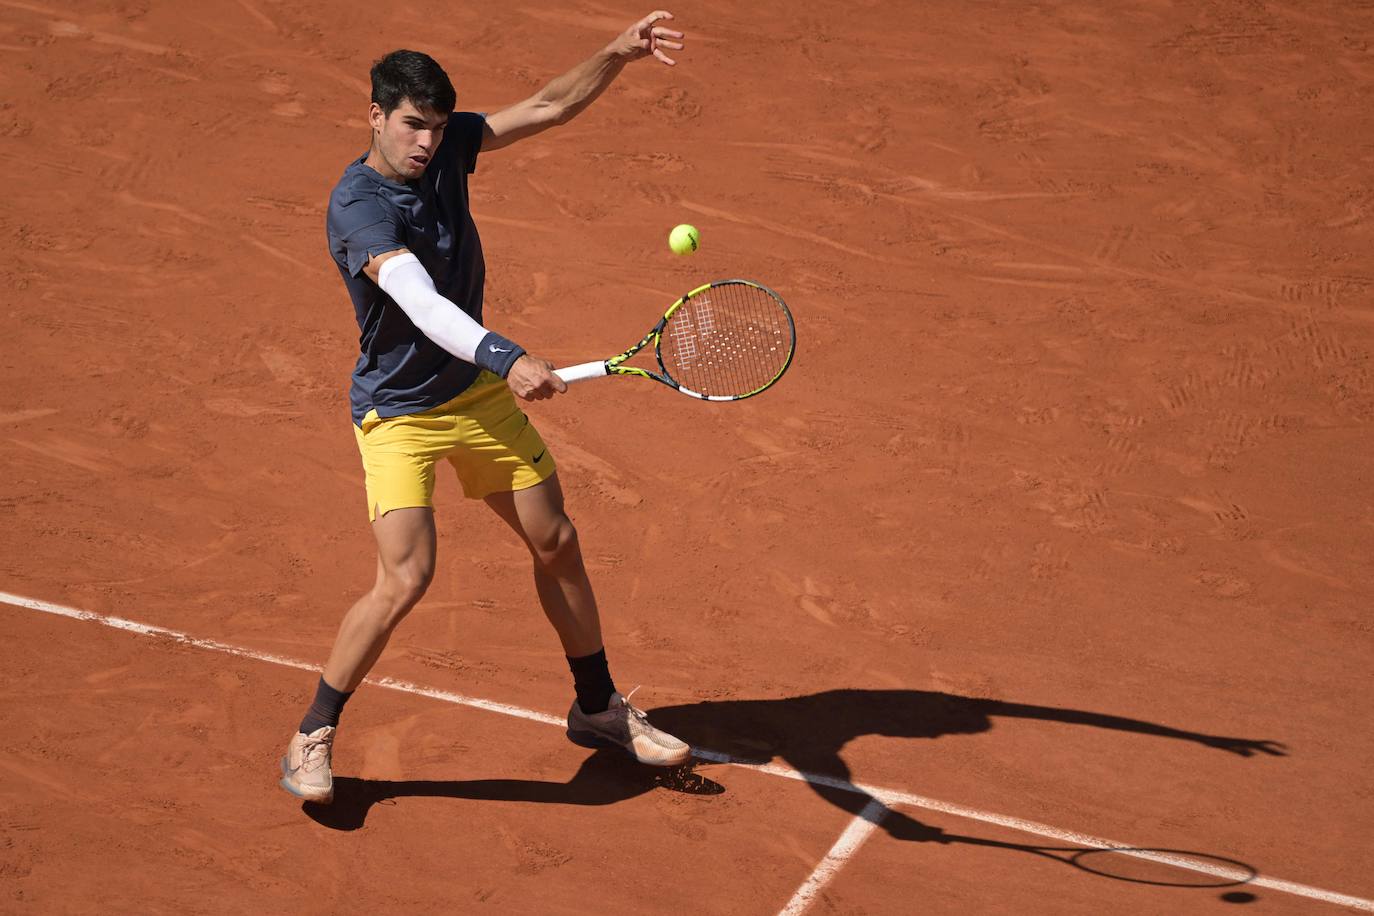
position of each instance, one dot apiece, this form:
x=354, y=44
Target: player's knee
x=403, y=586
x=556, y=548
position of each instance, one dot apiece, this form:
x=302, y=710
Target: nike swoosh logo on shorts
x=539, y=456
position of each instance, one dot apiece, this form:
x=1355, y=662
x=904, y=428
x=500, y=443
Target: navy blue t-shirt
x=400, y=370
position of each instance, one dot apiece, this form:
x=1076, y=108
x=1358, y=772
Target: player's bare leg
x=536, y=514
x=405, y=566
x=600, y=716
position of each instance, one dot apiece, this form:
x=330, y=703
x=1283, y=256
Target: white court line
x=145, y=629
x=848, y=844
x=889, y=797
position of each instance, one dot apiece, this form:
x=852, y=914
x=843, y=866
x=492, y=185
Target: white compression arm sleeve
x=410, y=286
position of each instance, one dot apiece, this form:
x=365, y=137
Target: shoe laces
x=640, y=726
x=315, y=753
x=634, y=710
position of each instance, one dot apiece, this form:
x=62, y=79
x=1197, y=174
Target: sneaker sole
x=590, y=739
x=593, y=740
x=285, y=783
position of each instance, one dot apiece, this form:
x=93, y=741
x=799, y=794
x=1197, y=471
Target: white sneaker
x=622, y=725
x=305, y=770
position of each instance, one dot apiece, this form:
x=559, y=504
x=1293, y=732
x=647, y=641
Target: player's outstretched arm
x=564, y=97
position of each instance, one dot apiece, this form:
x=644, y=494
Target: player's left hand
x=644, y=38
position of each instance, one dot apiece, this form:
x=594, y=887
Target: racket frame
x=615, y=365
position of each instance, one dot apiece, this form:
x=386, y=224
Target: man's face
x=407, y=138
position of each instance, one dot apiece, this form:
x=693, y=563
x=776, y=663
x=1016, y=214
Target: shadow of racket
x=1138, y=865
x=1134, y=864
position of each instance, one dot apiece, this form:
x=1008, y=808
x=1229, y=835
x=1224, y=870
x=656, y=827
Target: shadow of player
x=808, y=733
x=606, y=777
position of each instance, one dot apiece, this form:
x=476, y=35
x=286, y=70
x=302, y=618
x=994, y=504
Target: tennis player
x=432, y=384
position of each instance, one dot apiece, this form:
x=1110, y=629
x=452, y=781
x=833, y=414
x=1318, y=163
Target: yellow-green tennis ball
x=684, y=239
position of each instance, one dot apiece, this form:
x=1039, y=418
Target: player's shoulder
x=356, y=183
x=358, y=197
x=467, y=120
x=463, y=135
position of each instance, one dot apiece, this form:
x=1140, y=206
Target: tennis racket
x=723, y=341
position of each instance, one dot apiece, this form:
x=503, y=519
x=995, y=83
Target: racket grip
x=582, y=371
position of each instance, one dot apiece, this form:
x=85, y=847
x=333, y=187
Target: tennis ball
x=684, y=239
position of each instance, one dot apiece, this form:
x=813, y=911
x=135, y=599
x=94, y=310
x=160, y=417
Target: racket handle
x=582, y=371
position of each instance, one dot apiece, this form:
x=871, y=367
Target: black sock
x=326, y=709
x=592, y=680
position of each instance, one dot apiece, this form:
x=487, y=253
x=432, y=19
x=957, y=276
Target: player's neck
x=377, y=162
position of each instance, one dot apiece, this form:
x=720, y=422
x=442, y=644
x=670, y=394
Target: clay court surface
x=1063, y=509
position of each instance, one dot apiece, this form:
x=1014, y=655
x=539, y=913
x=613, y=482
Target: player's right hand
x=532, y=378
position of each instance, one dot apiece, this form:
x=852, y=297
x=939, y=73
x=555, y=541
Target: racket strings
x=730, y=340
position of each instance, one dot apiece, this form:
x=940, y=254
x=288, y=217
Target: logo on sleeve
x=495, y=349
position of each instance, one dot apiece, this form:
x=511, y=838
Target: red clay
x=1080, y=419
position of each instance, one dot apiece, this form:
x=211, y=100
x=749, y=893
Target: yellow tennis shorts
x=490, y=442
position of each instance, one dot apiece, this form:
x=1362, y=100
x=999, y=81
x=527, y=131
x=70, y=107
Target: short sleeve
x=365, y=227
x=463, y=139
